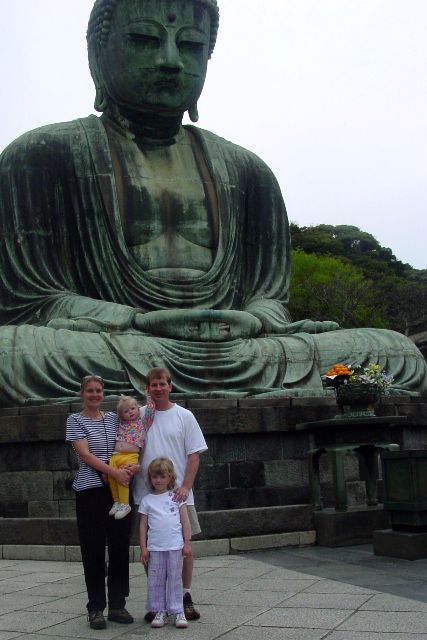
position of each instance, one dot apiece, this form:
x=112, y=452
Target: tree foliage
x=342, y=273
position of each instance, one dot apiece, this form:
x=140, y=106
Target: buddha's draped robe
x=63, y=255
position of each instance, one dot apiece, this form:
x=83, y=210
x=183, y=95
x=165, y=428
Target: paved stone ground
x=290, y=594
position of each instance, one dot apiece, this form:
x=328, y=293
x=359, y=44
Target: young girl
x=129, y=443
x=169, y=541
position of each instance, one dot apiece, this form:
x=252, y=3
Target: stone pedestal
x=400, y=544
x=252, y=481
x=344, y=528
x=405, y=500
x=366, y=436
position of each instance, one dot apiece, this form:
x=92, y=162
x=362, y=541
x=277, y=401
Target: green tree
x=398, y=293
x=326, y=288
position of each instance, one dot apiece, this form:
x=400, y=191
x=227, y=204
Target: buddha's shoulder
x=217, y=144
x=49, y=139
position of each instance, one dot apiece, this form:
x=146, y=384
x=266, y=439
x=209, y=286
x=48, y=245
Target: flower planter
x=357, y=399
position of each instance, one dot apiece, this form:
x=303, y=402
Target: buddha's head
x=151, y=55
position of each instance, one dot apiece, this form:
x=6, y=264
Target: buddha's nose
x=169, y=57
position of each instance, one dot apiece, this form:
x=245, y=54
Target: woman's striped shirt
x=101, y=437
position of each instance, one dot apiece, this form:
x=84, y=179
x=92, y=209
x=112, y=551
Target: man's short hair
x=158, y=372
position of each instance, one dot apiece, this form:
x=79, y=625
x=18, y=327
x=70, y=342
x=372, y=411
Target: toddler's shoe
x=114, y=508
x=122, y=511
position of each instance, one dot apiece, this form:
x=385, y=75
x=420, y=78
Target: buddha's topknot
x=102, y=13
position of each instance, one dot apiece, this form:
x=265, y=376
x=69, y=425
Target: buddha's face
x=156, y=54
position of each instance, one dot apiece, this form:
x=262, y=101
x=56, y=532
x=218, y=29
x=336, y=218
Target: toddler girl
x=130, y=439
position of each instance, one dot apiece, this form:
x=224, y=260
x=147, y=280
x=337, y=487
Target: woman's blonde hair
x=124, y=402
x=162, y=467
x=90, y=378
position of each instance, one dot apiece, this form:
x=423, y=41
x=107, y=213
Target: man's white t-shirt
x=164, y=522
x=174, y=434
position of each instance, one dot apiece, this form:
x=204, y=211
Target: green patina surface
x=129, y=241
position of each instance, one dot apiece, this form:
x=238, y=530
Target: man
x=174, y=434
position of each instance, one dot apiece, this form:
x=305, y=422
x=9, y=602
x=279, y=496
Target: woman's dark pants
x=97, y=529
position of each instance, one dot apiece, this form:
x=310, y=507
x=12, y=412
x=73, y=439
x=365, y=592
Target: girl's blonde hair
x=162, y=467
x=124, y=403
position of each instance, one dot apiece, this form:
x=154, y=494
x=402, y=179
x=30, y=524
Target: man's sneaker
x=149, y=616
x=160, y=619
x=122, y=511
x=190, y=612
x=96, y=619
x=181, y=621
x=120, y=615
x=114, y=508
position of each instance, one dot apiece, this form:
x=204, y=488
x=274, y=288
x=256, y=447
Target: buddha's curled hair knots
x=102, y=12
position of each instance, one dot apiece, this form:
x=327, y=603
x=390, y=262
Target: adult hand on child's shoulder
x=181, y=494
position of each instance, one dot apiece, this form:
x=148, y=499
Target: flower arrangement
x=372, y=374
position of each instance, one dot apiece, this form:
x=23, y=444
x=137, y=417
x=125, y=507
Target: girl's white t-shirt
x=164, y=524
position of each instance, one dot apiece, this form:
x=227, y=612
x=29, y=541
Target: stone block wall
x=256, y=457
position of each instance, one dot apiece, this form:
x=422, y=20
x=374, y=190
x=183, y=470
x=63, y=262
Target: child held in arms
x=130, y=441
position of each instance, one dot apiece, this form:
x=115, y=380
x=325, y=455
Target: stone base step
x=345, y=528
x=201, y=548
x=234, y=523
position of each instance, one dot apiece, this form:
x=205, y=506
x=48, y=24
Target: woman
x=92, y=434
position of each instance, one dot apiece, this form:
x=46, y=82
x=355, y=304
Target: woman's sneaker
x=181, y=621
x=160, y=620
x=122, y=511
x=114, y=508
x=96, y=619
x=120, y=615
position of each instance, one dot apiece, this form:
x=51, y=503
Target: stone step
x=201, y=548
x=215, y=525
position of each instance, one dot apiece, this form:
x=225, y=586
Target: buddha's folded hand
x=200, y=325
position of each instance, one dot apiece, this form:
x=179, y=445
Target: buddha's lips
x=167, y=83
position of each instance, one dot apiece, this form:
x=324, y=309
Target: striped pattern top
x=101, y=436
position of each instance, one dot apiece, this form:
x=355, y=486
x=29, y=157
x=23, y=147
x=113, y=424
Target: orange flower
x=338, y=370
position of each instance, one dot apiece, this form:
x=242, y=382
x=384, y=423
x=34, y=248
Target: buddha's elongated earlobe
x=193, y=113
x=101, y=102
x=101, y=96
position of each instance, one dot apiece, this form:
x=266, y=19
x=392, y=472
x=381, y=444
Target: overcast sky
x=332, y=94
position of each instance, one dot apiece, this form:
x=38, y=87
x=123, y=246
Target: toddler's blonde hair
x=124, y=403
